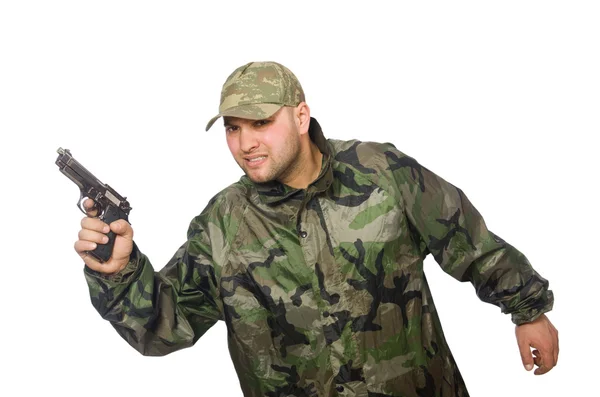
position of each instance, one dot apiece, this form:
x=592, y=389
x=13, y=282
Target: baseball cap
x=257, y=90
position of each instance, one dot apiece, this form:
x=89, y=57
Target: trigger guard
x=95, y=207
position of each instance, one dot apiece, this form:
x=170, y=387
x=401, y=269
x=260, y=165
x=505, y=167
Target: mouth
x=255, y=161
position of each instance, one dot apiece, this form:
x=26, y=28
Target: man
x=314, y=260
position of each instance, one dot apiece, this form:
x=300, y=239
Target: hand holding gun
x=106, y=238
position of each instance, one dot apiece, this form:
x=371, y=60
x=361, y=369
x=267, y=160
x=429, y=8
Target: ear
x=302, y=117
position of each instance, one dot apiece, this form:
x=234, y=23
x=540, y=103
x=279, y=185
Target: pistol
x=110, y=205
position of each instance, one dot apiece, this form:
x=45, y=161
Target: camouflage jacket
x=322, y=289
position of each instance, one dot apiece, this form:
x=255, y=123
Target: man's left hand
x=541, y=335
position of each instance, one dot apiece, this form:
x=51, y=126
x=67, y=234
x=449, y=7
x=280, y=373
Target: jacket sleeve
x=161, y=312
x=446, y=224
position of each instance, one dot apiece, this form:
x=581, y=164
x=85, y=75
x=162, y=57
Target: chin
x=258, y=178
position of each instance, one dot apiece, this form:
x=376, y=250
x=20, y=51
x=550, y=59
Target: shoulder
x=233, y=195
x=366, y=156
x=223, y=209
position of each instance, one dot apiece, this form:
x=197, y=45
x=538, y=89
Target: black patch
x=374, y=394
x=273, y=253
x=281, y=329
x=276, y=190
x=333, y=331
x=487, y=292
x=297, y=297
x=195, y=232
x=429, y=389
x=292, y=387
x=140, y=287
x=535, y=282
x=101, y=303
x=434, y=350
x=206, y=275
x=332, y=299
x=315, y=206
x=149, y=313
x=439, y=245
x=490, y=293
x=350, y=156
x=373, y=283
x=416, y=169
x=349, y=374
x=348, y=179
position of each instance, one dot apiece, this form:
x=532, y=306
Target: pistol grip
x=103, y=252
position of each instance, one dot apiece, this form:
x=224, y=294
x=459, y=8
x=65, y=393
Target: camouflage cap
x=257, y=90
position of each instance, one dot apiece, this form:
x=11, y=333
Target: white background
x=499, y=98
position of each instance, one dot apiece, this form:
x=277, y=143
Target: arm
x=160, y=312
x=446, y=224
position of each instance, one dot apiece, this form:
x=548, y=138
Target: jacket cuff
x=543, y=305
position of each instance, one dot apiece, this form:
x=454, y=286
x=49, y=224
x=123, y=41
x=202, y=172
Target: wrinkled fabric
x=322, y=289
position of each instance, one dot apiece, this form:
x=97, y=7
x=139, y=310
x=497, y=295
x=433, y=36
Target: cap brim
x=251, y=112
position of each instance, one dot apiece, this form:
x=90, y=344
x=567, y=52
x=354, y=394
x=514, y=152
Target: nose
x=248, y=141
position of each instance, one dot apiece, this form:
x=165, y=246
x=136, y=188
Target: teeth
x=257, y=159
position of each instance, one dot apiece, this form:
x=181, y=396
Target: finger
x=88, y=203
x=537, y=359
x=542, y=370
x=553, y=348
x=94, y=224
x=81, y=246
x=123, y=242
x=556, y=344
x=554, y=340
x=95, y=237
x=122, y=228
x=90, y=207
x=526, y=356
x=546, y=361
x=94, y=264
x=90, y=261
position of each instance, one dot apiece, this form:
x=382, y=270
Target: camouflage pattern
x=257, y=90
x=322, y=290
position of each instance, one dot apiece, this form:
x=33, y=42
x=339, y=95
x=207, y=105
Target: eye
x=260, y=123
x=230, y=128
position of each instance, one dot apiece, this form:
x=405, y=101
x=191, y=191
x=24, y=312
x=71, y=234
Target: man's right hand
x=93, y=232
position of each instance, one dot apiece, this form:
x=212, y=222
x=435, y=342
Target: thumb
x=122, y=228
x=526, y=355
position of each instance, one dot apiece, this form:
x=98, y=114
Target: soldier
x=314, y=260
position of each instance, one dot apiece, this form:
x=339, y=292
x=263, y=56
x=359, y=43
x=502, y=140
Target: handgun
x=110, y=205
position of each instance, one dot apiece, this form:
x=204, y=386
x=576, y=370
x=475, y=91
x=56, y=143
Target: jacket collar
x=273, y=192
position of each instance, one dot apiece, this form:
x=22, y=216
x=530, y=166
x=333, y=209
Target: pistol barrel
x=77, y=172
x=89, y=185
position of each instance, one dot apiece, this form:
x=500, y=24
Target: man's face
x=266, y=149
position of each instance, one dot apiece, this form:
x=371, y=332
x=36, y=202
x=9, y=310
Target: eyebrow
x=228, y=123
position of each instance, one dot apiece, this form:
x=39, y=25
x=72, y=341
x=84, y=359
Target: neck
x=308, y=168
